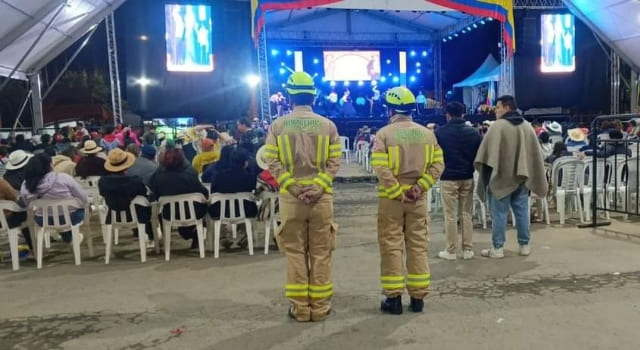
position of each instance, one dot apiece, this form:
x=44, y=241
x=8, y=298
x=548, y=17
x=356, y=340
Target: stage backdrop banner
x=502, y=10
x=259, y=7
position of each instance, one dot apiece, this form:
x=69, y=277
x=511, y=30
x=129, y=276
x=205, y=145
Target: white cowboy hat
x=553, y=127
x=18, y=159
x=260, y=158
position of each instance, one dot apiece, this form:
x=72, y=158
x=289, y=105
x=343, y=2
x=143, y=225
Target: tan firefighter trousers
x=403, y=225
x=307, y=237
x=454, y=192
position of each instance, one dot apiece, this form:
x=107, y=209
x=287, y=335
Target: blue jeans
x=76, y=216
x=518, y=200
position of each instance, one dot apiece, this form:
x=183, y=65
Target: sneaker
x=525, y=250
x=446, y=255
x=392, y=306
x=493, y=253
x=416, y=305
x=468, y=254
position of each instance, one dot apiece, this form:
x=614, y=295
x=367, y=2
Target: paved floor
x=580, y=289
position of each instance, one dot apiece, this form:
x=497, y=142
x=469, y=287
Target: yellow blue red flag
x=259, y=7
x=501, y=10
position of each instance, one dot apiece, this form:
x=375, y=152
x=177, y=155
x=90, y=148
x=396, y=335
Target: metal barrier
x=613, y=172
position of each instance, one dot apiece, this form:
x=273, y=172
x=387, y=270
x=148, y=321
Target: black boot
x=416, y=305
x=392, y=305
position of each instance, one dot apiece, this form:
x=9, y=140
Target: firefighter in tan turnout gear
x=304, y=152
x=407, y=161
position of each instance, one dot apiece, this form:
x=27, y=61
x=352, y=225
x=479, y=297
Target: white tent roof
x=488, y=71
x=616, y=21
x=22, y=22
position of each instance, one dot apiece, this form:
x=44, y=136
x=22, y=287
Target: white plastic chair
x=123, y=223
x=184, y=203
x=617, y=181
x=543, y=206
x=235, y=201
x=346, y=150
x=53, y=210
x=12, y=233
x=361, y=146
x=587, y=188
x=90, y=186
x=477, y=201
x=272, y=221
x=572, y=171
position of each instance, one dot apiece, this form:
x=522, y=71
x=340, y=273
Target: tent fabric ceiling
x=22, y=21
x=618, y=21
x=488, y=71
x=362, y=21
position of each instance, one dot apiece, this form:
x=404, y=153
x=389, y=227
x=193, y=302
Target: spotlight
x=418, y=70
x=489, y=19
x=390, y=74
x=282, y=71
x=315, y=61
x=468, y=29
x=456, y=35
x=418, y=64
x=143, y=81
x=388, y=61
x=450, y=37
x=374, y=83
x=413, y=53
x=143, y=37
x=424, y=53
x=464, y=31
x=383, y=79
x=252, y=80
x=332, y=83
x=396, y=79
x=315, y=75
x=360, y=83
x=274, y=52
x=282, y=64
x=324, y=79
x=444, y=40
x=284, y=85
x=482, y=22
x=346, y=83
x=475, y=25
x=289, y=53
x=412, y=79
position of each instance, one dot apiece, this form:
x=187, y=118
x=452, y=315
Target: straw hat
x=18, y=159
x=90, y=147
x=119, y=160
x=576, y=135
x=260, y=158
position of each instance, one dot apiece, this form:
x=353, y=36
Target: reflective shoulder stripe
x=394, y=159
x=438, y=156
x=322, y=152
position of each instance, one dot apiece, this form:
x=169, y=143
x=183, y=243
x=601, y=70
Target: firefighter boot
x=416, y=305
x=392, y=305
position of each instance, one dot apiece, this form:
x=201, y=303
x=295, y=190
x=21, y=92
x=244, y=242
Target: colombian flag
x=259, y=7
x=502, y=10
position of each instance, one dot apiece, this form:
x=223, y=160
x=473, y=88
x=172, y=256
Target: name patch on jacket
x=302, y=126
x=410, y=137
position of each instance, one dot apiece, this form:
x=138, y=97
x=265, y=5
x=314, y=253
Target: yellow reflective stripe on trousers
x=322, y=152
x=286, y=153
x=392, y=282
x=296, y=290
x=379, y=159
x=335, y=150
x=318, y=292
x=423, y=280
x=394, y=160
x=271, y=151
x=438, y=156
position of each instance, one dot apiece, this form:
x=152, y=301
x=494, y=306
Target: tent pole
x=24, y=105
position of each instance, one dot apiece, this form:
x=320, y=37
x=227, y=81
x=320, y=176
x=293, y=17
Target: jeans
x=76, y=217
x=518, y=200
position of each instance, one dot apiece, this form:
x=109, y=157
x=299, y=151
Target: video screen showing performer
x=188, y=34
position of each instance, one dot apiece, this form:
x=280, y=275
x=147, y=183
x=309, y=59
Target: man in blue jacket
x=460, y=143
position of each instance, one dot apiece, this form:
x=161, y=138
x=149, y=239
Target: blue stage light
x=383, y=79
x=374, y=83
x=464, y=31
x=289, y=53
x=482, y=22
x=456, y=35
x=418, y=64
x=346, y=83
x=282, y=71
x=424, y=53
x=418, y=71
x=450, y=37
x=388, y=61
x=413, y=53
x=444, y=40
x=284, y=85
x=412, y=79
x=324, y=79
x=396, y=79
x=282, y=64
x=468, y=29
x=332, y=83
x=475, y=25
x=360, y=83
x=489, y=19
x=315, y=61
x=274, y=52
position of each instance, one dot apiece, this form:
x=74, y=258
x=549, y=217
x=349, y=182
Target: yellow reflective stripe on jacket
x=392, y=192
x=271, y=151
x=379, y=159
x=426, y=181
x=428, y=154
x=392, y=282
x=335, y=150
x=423, y=280
x=286, y=153
x=438, y=156
x=322, y=152
x=394, y=160
x=285, y=180
x=324, y=181
x=318, y=292
x=296, y=290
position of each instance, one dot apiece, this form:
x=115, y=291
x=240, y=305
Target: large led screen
x=351, y=65
x=189, y=39
x=558, y=43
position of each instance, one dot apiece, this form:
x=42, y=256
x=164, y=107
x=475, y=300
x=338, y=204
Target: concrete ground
x=580, y=289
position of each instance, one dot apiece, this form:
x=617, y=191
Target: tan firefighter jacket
x=405, y=154
x=303, y=148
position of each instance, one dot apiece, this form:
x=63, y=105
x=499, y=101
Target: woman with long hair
x=41, y=182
